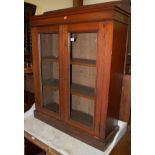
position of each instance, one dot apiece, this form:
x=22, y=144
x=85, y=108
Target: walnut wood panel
x=36, y=67
x=83, y=27
x=48, y=29
x=87, y=17
x=125, y=106
x=96, y=12
x=116, y=75
x=103, y=73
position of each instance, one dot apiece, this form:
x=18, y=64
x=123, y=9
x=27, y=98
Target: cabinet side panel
x=36, y=67
x=116, y=76
x=103, y=74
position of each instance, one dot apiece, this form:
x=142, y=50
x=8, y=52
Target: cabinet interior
x=83, y=48
x=49, y=46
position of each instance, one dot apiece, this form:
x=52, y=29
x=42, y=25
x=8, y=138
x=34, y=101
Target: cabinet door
x=46, y=69
x=82, y=50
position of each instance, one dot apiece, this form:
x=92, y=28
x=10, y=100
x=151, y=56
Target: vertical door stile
x=66, y=72
x=61, y=72
x=36, y=67
x=64, y=69
x=99, y=71
x=46, y=69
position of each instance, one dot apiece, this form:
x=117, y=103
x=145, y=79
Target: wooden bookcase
x=78, y=63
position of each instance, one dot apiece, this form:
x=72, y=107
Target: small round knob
x=65, y=17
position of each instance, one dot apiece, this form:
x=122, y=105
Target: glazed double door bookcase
x=67, y=73
x=78, y=64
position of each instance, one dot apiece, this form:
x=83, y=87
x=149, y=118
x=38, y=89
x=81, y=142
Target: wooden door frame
x=37, y=67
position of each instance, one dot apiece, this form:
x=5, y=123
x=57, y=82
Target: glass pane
x=49, y=43
x=82, y=110
x=83, y=48
x=84, y=75
x=84, y=45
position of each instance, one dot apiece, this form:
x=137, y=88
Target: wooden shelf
x=82, y=91
x=83, y=62
x=28, y=70
x=49, y=59
x=51, y=84
x=82, y=118
x=52, y=107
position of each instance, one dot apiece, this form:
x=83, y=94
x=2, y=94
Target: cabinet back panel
x=50, y=96
x=84, y=75
x=49, y=44
x=82, y=104
x=47, y=71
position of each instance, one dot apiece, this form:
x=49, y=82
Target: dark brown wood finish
x=103, y=70
x=116, y=75
x=125, y=106
x=110, y=23
x=36, y=67
x=61, y=73
x=88, y=13
x=66, y=72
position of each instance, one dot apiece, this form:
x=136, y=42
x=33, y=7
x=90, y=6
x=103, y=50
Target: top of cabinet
x=87, y=13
